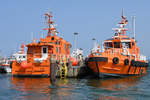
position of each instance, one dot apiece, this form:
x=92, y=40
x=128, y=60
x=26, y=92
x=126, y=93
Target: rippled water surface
x=129, y=88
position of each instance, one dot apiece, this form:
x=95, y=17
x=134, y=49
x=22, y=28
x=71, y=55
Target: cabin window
x=108, y=44
x=116, y=34
x=24, y=56
x=53, y=38
x=58, y=42
x=132, y=43
x=44, y=50
x=116, y=44
x=126, y=44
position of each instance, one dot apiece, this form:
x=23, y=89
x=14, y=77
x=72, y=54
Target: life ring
x=132, y=62
x=126, y=62
x=115, y=60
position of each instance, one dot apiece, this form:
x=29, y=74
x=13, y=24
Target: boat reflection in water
x=115, y=88
x=40, y=88
x=31, y=88
x=112, y=83
x=76, y=89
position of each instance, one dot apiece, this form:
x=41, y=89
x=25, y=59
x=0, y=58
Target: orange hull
x=32, y=70
x=108, y=68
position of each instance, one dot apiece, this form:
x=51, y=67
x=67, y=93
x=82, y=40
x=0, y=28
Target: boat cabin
x=119, y=43
x=42, y=49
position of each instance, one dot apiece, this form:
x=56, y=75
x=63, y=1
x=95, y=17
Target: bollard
x=53, y=67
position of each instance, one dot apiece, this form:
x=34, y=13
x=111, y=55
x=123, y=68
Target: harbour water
x=129, y=88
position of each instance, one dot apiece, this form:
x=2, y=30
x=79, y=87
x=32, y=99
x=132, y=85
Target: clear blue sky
x=90, y=18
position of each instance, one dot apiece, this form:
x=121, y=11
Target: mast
x=22, y=48
x=122, y=30
x=94, y=42
x=51, y=29
x=133, y=26
x=122, y=12
x=75, y=40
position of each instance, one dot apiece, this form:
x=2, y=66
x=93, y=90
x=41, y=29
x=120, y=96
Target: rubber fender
x=137, y=64
x=115, y=60
x=132, y=62
x=126, y=62
x=141, y=64
x=146, y=64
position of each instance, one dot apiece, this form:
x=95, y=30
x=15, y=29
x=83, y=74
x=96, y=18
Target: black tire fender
x=126, y=62
x=115, y=60
x=132, y=62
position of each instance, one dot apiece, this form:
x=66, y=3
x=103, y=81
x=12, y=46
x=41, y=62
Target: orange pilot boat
x=119, y=57
x=37, y=60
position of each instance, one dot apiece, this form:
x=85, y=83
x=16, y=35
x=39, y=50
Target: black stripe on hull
x=26, y=75
x=98, y=59
x=107, y=75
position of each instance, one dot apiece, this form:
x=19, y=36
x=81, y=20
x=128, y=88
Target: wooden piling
x=53, y=67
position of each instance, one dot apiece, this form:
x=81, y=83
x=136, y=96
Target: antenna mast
x=75, y=40
x=133, y=26
x=51, y=29
x=122, y=12
x=122, y=30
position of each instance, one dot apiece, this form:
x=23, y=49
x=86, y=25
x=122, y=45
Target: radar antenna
x=51, y=29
